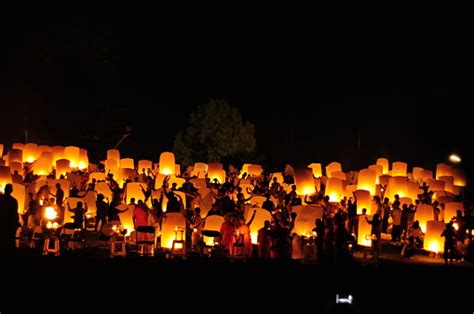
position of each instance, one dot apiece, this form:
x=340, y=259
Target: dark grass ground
x=84, y=283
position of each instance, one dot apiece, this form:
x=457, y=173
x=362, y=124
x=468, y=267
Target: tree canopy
x=216, y=133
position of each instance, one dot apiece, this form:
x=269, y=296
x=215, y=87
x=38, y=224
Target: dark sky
x=307, y=77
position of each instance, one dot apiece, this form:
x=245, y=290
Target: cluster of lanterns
x=381, y=177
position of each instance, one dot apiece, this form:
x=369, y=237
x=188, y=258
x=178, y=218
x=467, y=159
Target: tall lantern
x=448, y=183
x=1, y=150
x=19, y=146
x=363, y=201
x=17, y=166
x=19, y=193
x=113, y=154
x=443, y=170
x=335, y=189
x=317, y=170
x=15, y=155
x=397, y=185
x=339, y=175
x=378, y=172
x=255, y=170
x=30, y=152
x=200, y=169
x=423, y=214
x=44, y=148
x=364, y=236
x=366, y=181
x=42, y=166
x=58, y=153
x=426, y=175
x=413, y=189
x=350, y=189
x=436, y=185
x=83, y=162
x=399, y=169
x=62, y=167
x=72, y=153
x=333, y=167
x=450, y=210
x=459, y=177
x=127, y=163
x=433, y=241
x=306, y=218
x=304, y=182
x=5, y=177
x=384, y=163
x=111, y=166
x=171, y=228
x=144, y=165
x=134, y=190
x=418, y=173
x=167, y=164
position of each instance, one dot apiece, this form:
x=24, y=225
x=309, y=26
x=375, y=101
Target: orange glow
x=459, y=177
x=450, y=210
x=397, y=185
x=113, y=154
x=144, y=164
x=364, y=200
x=317, y=170
x=260, y=216
x=304, y=182
x=5, y=177
x=423, y=214
x=215, y=171
x=366, y=180
x=171, y=226
x=448, y=183
x=72, y=153
x=334, y=189
x=333, y=167
x=212, y=223
x=443, y=170
x=127, y=163
x=384, y=163
x=436, y=185
x=15, y=155
x=255, y=170
x=306, y=218
x=364, y=232
x=433, y=241
x=50, y=213
x=399, y=169
x=378, y=172
x=167, y=164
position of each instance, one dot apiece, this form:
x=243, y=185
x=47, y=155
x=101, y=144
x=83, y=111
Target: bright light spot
x=72, y=164
x=82, y=165
x=30, y=159
x=50, y=213
x=456, y=226
x=434, y=247
x=455, y=158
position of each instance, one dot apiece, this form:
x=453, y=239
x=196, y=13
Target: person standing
x=8, y=220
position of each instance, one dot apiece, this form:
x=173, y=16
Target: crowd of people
x=334, y=234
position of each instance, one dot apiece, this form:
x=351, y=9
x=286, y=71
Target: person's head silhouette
x=8, y=189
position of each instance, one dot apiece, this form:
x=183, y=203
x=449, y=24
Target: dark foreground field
x=84, y=284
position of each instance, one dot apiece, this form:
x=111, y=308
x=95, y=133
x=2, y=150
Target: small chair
x=36, y=237
x=47, y=245
x=215, y=235
x=118, y=247
x=145, y=245
x=71, y=236
x=179, y=251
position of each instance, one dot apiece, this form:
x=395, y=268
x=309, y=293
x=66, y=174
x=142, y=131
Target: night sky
x=308, y=78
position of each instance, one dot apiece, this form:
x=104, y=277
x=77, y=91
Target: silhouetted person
x=449, y=235
x=79, y=215
x=102, y=209
x=264, y=240
x=8, y=220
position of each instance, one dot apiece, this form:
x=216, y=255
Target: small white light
x=455, y=158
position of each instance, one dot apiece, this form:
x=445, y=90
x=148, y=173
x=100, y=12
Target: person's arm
x=251, y=219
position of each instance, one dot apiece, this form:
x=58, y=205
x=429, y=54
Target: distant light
x=455, y=158
x=343, y=299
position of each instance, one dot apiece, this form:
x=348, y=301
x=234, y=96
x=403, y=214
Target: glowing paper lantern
x=364, y=237
x=423, y=214
x=113, y=154
x=49, y=156
x=72, y=153
x=125, y=174
x=413, y=189
x=397, y=185
x=433, y=241
x=258, y=222
x=159, y=179
x=112, y=166
x=339, y=175
x=459, y=177
x=167, y=163
x=42, y=166
x=5, y=177
x=15, y=155
x=378, y=172
x=103, y=188
x=405, y=201
x=179, y=182
x=1, y=150
x=212, y=223
x=170, y=230
x=62, y=167
x=366, y=180
x=97, y=176
x=83, y=161
x=436, y=185
x=30, y=152
x=418, y=173
x=399, y=169
x=448, y=183
x=384, y=179
x=364, y=200
x=255, y=170
x=457, y=190
x=199, y=170
x=426, y=175
x=58, y=153
x=19, y=193
x=177, y=171
x=215, y=171
x=443, y=170
x=127, y=163
x=335, y=189
x=306, y=217
x=350, y=189
x=333, y=167
x=384, y=163
x=304, y=182
x=17, y=166
x=278, y=176
x=450, y=210
x=134, y=190
x=317, y=169
x=244, y=170
x=19, y=146
x=144, y=165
